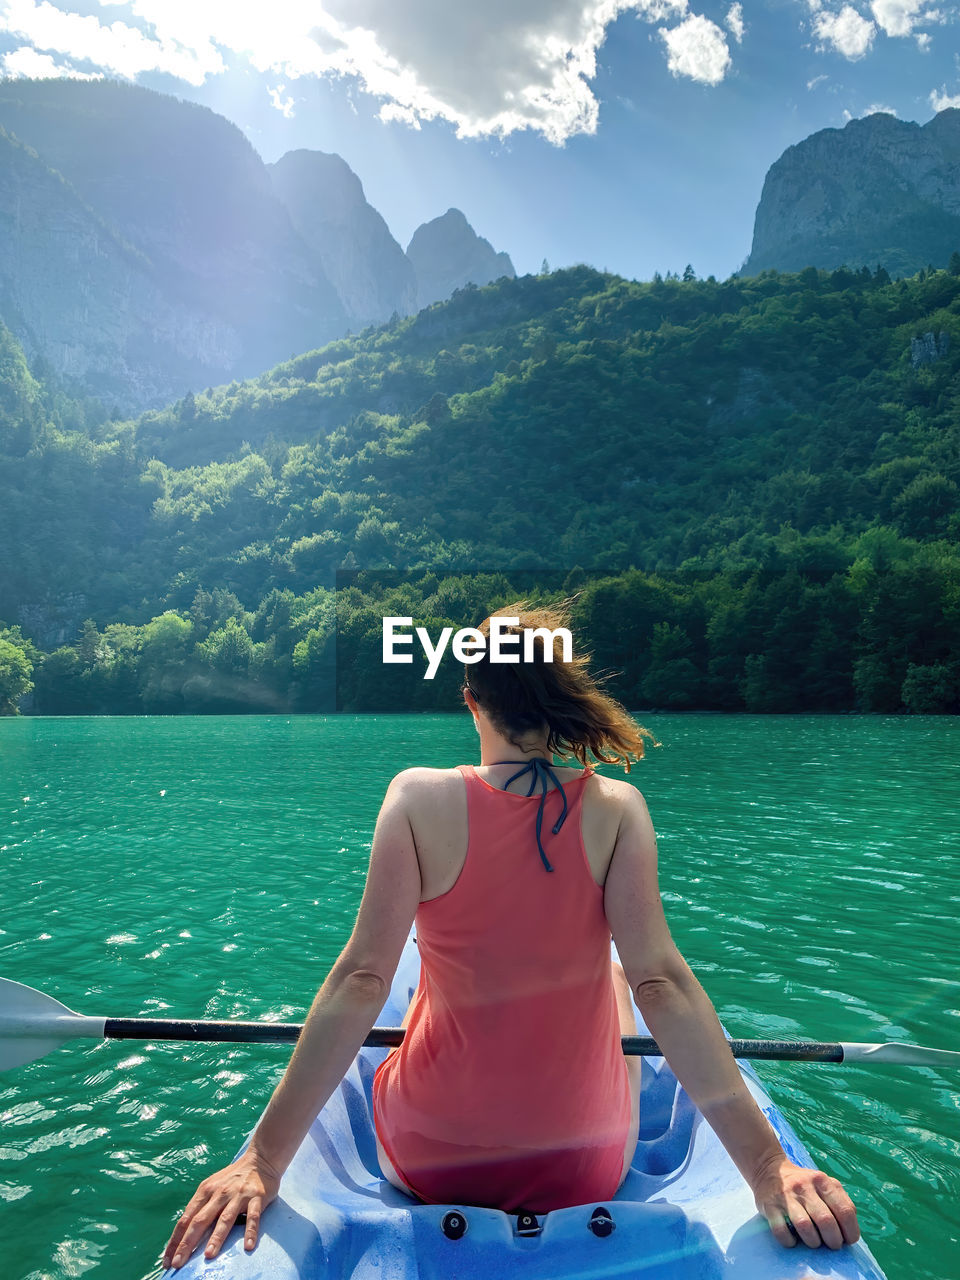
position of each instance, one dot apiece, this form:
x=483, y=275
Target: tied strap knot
x=542, y=769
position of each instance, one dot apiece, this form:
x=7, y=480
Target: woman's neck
x=494, y=747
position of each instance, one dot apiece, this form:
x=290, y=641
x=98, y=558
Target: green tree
x=228, y=649
x=875, y=684
x=164, y=639
x=759, y=692
x=924, y=506
x=162, y=650
x=15, y=672
x=59, y=684
x=930, y=690
x=672, y=680
x=314, y=665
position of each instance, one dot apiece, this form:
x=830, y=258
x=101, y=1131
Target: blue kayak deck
x=683, y=1212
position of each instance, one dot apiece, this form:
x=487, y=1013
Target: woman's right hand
x=246, y=1186
x=804, y=1204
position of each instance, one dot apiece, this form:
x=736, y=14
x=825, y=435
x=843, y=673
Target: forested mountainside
x=756, y=479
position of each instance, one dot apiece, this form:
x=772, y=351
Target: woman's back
x=437, y=808
x=510, y=1088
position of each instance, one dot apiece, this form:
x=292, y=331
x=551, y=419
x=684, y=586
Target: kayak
x=683, y=1213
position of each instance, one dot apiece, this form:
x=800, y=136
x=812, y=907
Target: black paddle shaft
x=390, y=1037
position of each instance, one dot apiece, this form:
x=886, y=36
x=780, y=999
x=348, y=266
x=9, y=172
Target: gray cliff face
x=447, y=254
x=74, y=292
x=146, y=250
x=879, y=191
x=326, y=204
x=185, y=188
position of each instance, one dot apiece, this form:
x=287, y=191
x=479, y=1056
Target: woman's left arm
x=340, y=1018
x=797, y=1202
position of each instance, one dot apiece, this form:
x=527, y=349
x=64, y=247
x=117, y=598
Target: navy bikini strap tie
x=542, y=769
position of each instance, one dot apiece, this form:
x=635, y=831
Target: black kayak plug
x=528, y=1224
x=601, y=1223
x=453, y=1225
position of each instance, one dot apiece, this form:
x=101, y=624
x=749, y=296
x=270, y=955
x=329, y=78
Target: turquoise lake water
x=211, y=868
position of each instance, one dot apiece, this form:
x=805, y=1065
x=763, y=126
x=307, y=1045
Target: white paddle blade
x=33, y=1024
x=901, y=1055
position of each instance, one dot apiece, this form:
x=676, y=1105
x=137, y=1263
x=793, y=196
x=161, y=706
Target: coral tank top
x=510, y=1089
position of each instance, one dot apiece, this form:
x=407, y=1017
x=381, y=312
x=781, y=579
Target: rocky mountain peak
x=447, y=254
x=878, y=191
x=327, y=206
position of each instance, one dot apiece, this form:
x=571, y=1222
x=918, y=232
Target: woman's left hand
x=805, y=1204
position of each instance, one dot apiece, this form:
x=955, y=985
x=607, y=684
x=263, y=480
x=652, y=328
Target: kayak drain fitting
x=453, y=1225
x=601, y=1223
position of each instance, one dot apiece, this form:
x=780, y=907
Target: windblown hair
x=563, y=697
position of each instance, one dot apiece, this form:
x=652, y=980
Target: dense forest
x=751, y=486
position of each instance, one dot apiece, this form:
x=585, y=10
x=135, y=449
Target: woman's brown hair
x=524, y=697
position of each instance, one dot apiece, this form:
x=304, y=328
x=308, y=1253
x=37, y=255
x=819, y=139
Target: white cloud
x=697, y=48
x=734, y=21
x=118, y=48
x=403, y=115
x=850, y=33
x=488, y=68
x=940, y=101
x=868, y=111
x=897, y=17
x=878, y=107
x=847, y=32
x=25, y=61
x=283, y=105
x=811, y=84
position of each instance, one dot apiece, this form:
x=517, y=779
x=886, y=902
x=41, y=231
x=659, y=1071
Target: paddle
x=33, y=1024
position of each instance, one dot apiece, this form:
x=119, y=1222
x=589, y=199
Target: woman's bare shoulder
x=613, y=792
x=420, y=780
x=614, y=804
x=431, y=798
x=606, y=802
x=423, y=774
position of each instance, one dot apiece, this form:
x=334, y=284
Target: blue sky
x=631, y=134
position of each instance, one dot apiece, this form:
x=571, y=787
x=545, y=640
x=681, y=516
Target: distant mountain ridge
x=879, y=191
x=208, y=265
x=146, y=249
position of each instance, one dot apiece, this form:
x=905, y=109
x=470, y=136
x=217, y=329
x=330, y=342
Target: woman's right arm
x=340, y=1018
x=682, y=1020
